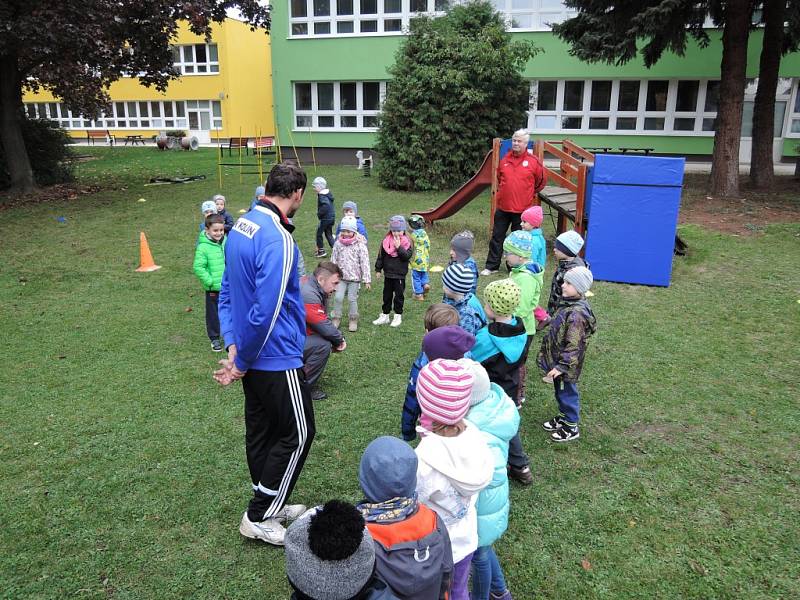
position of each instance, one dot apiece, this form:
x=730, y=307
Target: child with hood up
x=493, y=412
x=455, y=462
x=420, y=280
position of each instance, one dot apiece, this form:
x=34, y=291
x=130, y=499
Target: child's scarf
x=388, y=244
x=348, y=241
x=390, y=511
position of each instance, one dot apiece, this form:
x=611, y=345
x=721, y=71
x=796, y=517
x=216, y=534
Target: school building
x=224, y=90
x=330, y=60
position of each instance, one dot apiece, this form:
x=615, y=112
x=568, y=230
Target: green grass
x=122, y=463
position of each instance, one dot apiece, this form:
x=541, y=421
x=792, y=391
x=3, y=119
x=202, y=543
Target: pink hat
x=533, y=215
x=444, y=389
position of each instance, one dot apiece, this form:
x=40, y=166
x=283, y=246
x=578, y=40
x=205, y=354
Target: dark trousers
x=279, y=429
x=502, y=220
x=315, y=357
x=522, y=373
x=517, y=457
x=212, y=315
x=326, y=227
x=393, y=295
x=569, y=401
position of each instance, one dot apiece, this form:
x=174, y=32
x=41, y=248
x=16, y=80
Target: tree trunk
x=761, y=168
x=725, y=161
x=16, y=155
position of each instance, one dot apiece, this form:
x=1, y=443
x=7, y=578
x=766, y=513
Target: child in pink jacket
x=351, y=254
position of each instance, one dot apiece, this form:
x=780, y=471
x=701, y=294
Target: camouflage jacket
x=564, y=344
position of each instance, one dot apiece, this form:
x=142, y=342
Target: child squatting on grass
x=209, y=265
x=393, y=258
x=455, y=462
x=351, y=254
x=563, y=349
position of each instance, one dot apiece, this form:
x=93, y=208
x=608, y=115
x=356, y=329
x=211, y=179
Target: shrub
x=455, y=85
x=48, y=150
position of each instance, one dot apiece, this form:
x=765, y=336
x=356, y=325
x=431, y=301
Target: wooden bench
x=595, y=149
x=100, y=134
x=645, y=151
x=264, y=145
x=237, y=143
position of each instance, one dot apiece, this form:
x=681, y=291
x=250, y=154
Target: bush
x=48, y=150
x=456, y=84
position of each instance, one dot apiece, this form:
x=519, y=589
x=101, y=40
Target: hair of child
x=216, y=218
x=440, y=315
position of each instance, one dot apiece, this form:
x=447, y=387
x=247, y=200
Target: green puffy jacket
x=529, y=277
x=209, y=262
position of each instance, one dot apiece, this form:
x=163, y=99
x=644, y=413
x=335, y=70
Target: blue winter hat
x=388, y=470
x=260, y=191
x=458, y=278
x=397, y=223
x=519, y=243
x=208, y=205
x=570, y=242
x=350, y=205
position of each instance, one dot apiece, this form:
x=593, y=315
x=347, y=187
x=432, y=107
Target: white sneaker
x=269, y=530
x=397, y=321
x=486, y=272
x=290, y=512
x=382, y=320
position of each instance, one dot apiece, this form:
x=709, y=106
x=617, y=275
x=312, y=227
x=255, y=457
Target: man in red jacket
x=520, y=176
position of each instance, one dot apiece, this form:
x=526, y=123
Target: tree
x=781, y=35
x=609, y=31
x=77, y=49
x=455, y=85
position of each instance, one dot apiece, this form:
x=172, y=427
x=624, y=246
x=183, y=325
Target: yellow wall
x=245, y=79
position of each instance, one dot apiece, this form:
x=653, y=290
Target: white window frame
x=209, y=65
x=337, y=113
x=541, y=17
x=793, y=112
x=405, y=15
x=58, y=112
x=640, y=114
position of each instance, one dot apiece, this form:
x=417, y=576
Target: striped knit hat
x=458, y=278
x=444, y=389
x=570, y=242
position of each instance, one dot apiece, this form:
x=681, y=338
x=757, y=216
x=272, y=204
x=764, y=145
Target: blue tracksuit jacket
x=260, y=306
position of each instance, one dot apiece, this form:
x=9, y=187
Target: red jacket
x=518, y=179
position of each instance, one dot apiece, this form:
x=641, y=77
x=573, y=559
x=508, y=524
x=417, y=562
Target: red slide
x=471, y=189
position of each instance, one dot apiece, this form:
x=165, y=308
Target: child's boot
x=397, y=321
x=567, y=433
x=383, y=319
x=353, y=325
x=321, y=253
x=336, y=321
x=419, y=297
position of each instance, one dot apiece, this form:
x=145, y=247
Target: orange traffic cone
x=146, y=263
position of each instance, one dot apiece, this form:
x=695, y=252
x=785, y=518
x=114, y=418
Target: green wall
x=367, y=58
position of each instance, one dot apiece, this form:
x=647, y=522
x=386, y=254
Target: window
x=535, y=15
x=311, y=18
x=345, y=105
x=196, y=59
x=134, y=115
x=682, y=107
x=794, y=112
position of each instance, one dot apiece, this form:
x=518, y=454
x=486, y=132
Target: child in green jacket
x=209, y=264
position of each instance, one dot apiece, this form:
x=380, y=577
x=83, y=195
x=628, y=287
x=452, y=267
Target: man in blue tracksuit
x=262, y=317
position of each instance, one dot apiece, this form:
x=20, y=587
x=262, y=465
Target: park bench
x=264, y=145
x=595, y=149
x=237, y=143
x=645, y=151
x=100, y=134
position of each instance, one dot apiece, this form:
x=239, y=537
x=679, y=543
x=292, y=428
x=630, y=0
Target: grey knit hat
x=319, y=183
x=397, y=223
x=463, y=243
x=350, y=205
x=330, y=553
x=581, y=279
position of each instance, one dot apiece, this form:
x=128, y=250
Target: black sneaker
x=553, y=424
x=321, y=254
x=318, y=394
x=567, y=433
x=216, y=345
x=521, y=475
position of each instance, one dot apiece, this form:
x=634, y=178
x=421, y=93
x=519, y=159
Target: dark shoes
x=216, y=345
x=318, y=394
x=521, y=475
x=567, y=433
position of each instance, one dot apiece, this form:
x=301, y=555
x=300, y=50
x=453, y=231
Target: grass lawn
x=122, y=463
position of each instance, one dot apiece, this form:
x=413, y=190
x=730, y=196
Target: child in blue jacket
x=326, y=214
